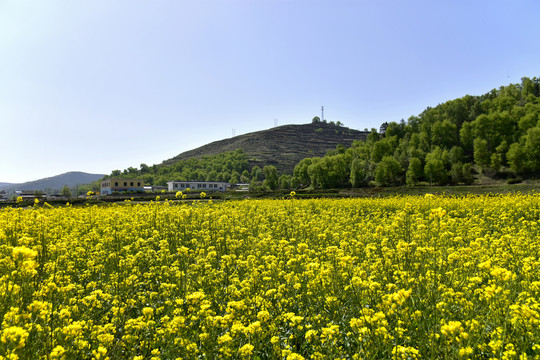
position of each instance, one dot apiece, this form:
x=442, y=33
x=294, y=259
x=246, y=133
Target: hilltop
x=283, y=147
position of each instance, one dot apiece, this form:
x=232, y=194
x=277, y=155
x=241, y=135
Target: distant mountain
x=4, y=185
x=284, y=146
x=55, y=183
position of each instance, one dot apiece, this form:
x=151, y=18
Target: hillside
x=55, y=183
x=282, y=147
x=5, y=185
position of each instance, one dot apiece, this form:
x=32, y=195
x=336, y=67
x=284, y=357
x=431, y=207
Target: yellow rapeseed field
x=429, y=277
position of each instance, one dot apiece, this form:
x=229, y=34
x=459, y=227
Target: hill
x=55, y=183
x=5, y=185
x=282, y=147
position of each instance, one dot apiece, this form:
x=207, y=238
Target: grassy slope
x=282, y=146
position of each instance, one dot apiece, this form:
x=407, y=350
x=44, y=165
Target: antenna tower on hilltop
x=275, y=122
x=322, y=113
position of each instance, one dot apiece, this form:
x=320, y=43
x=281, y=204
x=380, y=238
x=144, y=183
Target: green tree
x=225, y=177
x=329, y=171
x=144, y=169
x=245, y=177
x=395, y=129
x=257, y=174
x=456, y=155
x=387, y=171
x=467, y=137
x=435, y=167
x=516, y=156
x=501, y=151
x=414, y=171
x=316, y=172
x=337, y=171
x=301, y=171
x=482, y=156
x=495, y=162
x=530, y=118
x=384, y=147
x=295, y=183
x=359, y=173
x=494, y=128
x=467, y=173
x=270, y=177
x=435, y=171
x=532, y=147
x=285, y=181
x=456, y=172
x=66, y=191
x=443, y=134
x=235, y=177
x=212, y=175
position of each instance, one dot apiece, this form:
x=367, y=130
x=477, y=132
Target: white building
x=198, y=185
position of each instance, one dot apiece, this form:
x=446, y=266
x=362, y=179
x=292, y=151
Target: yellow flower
x=311, y=335
x=100, y=352
x=148, y=312
x=23, y=253
x=58, y=352
x=405, y=353
x=463, y=352
x=263, y=315
x=295, y=356
x=15, y=335
x=246, y=350
x=224, y=339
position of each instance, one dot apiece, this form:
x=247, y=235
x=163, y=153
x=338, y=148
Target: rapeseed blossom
x=397, y=277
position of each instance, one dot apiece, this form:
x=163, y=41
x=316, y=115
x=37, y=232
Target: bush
x=515, y=180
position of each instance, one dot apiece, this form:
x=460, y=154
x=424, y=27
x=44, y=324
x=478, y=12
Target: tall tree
x=270, y=177
x=388, y=171
x=482, y=156
x=414, y=172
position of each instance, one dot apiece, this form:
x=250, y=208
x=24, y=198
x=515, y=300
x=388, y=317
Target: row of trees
x=229, y=167
x=497, y=134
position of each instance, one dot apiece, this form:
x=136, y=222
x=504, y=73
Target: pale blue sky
x=106, y=84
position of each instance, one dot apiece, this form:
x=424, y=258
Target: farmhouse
x=198, y=185
x=110, y=186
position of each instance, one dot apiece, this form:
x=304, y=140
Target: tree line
x=496, y=134
x=231, y=167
